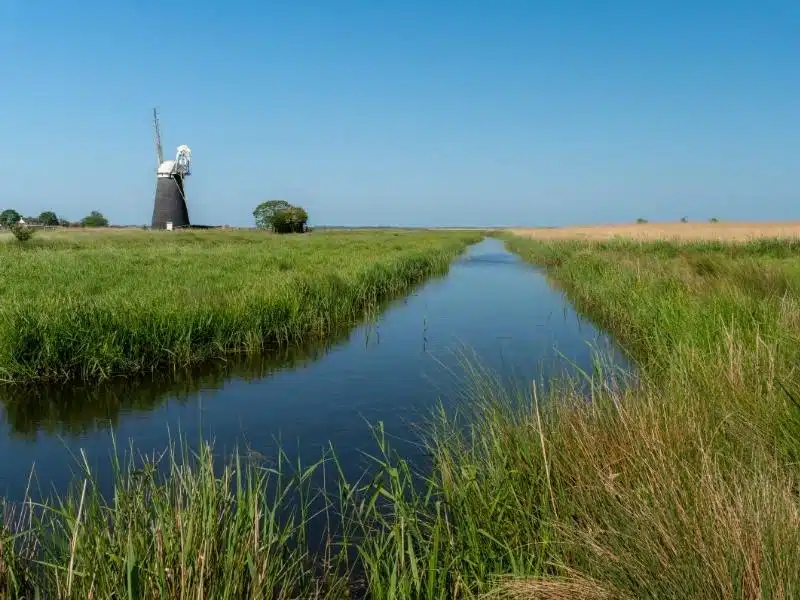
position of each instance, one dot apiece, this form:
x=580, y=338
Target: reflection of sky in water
x=491, y=307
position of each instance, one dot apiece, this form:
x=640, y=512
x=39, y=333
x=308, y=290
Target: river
x=491, y=309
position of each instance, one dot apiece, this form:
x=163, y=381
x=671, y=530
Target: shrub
x=640, y=220
x=22, y=232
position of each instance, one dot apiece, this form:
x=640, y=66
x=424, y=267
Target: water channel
x=491, y=309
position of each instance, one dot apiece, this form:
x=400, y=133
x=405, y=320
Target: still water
x=490, y=308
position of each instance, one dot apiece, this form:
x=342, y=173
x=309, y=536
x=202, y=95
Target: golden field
x=731, y=231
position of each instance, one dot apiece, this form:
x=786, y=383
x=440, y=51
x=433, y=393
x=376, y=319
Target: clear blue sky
x=505, y=112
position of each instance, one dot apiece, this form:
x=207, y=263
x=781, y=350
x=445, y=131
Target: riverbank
x=682, y=485
x=93, y=305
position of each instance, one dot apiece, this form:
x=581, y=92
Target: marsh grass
x=175, y=526
x=683, y=484
x=93, y=306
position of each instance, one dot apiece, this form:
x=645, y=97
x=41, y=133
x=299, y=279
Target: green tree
x=8, y=217
x=714, y=220
x=641, y=220
x=290, y=220
x=297, y=218
x=48, y=218
x=684, y=219
x=265, y=212
x=94, y=219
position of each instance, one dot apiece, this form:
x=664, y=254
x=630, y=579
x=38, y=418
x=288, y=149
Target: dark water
x=491, y=308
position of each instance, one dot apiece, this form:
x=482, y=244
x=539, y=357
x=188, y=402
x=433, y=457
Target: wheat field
x=731, y=231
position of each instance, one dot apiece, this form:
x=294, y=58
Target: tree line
x=276, y=215
x=10, y=217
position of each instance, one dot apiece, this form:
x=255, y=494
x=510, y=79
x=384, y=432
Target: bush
x=22, y=232
x=684, y=219
x=640, y=220
x=713, y=220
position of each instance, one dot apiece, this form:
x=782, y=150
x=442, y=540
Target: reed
x=679, y=482
x=93, y=306
x=177, y=525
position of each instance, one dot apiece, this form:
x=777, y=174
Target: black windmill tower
x=169, y=208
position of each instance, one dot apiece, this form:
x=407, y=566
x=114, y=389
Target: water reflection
x=78, y=409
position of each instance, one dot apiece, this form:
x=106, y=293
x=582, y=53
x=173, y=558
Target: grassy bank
x=687, y=485
x=683, y=486
x=95, y=305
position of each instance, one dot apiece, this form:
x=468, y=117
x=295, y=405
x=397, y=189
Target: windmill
x=169, y=208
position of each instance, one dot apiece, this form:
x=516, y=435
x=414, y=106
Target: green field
x=683, y=484
x=92, y=305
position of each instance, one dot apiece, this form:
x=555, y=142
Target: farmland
x=92, y=305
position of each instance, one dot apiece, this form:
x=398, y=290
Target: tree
x=94, y=219
x=684, y=219
x=641, y=220
x=9, y=217
x=265, y=212
x=290, y=220
x=280, y=217
x=48, y=218
x=714, y=220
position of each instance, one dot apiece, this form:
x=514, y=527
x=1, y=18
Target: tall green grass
x=174, y=526
x=93, y=306
x=684, y=484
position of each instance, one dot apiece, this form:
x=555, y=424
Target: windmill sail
x=157, y=136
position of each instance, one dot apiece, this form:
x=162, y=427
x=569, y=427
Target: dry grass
x=549, y=589
x=734, y=231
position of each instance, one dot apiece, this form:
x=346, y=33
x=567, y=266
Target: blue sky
x=504, y=112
